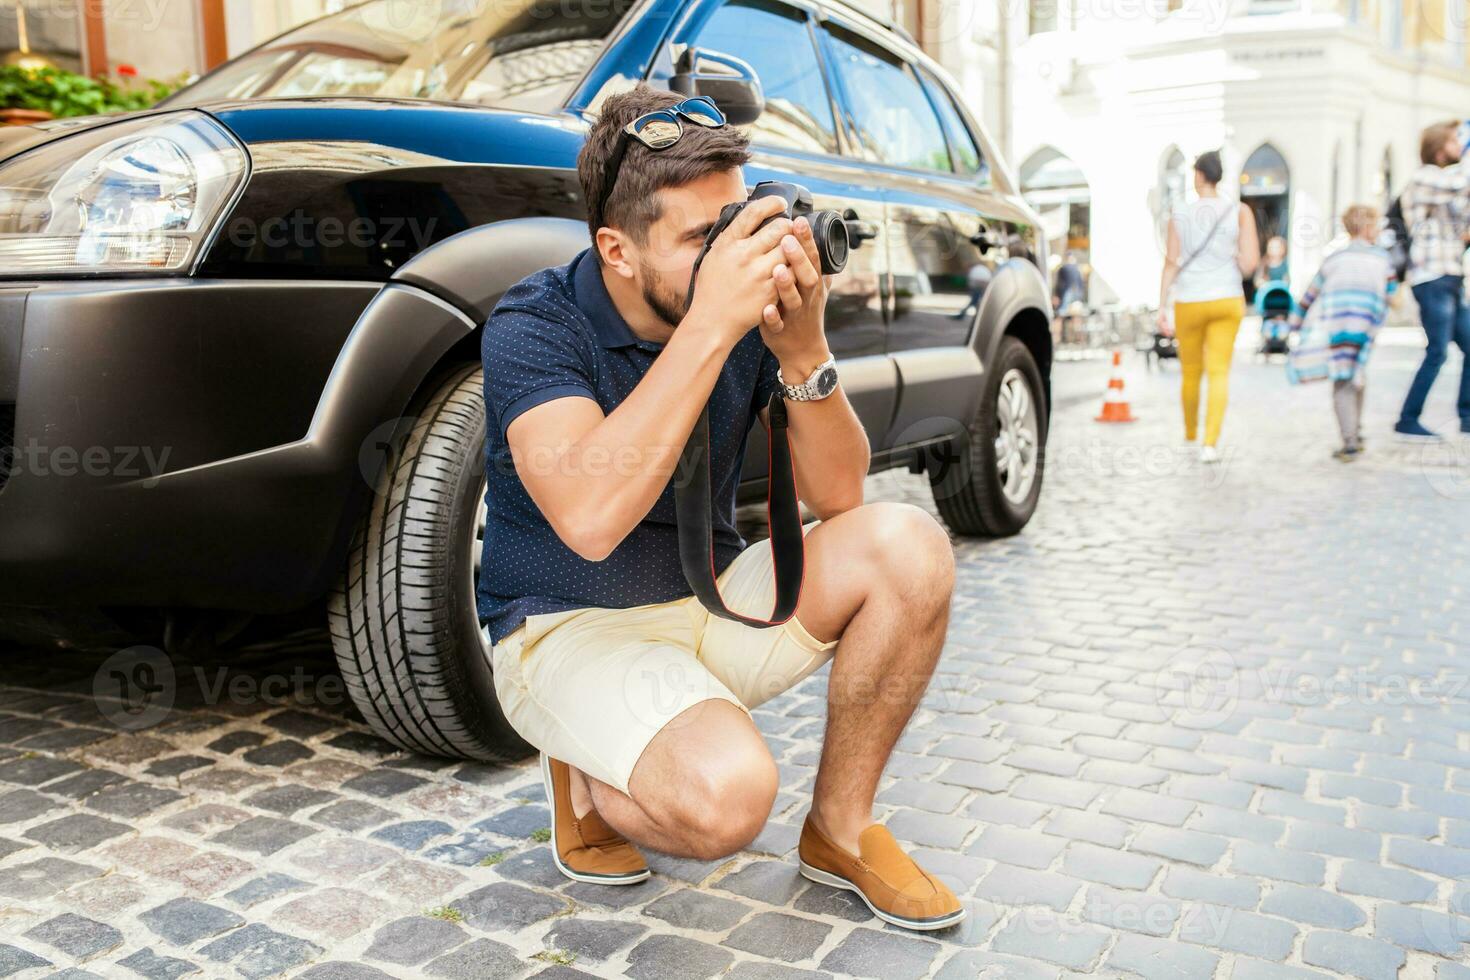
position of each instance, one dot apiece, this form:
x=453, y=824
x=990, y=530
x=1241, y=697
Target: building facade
x=1102, y=106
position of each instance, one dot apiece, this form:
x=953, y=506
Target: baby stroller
x=1276, y=306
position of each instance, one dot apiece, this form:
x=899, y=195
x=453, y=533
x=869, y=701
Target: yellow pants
x=1206, y=335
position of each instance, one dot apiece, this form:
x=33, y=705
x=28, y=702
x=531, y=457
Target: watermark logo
x=135, y=688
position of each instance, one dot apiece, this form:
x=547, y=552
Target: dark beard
x=670, y=308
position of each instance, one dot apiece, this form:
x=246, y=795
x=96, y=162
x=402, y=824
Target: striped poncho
x=1346, y=304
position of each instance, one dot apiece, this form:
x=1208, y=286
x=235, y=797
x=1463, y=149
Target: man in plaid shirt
x=1436, y=208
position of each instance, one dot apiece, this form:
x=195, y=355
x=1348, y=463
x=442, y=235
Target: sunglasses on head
x=657, y=130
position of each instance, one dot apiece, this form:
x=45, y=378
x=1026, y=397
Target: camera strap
x=693, y=508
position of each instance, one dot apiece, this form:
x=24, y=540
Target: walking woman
x=1212, y=248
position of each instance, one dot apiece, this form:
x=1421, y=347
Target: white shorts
x=592, y=687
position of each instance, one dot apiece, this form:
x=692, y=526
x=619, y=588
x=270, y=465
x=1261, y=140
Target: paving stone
x=178, y=765
x=504, y=905
x=258, y=951
x=206, y=819
x=235, y=741
x=749, y=970
x=1448, y=862
x=837, y=903
x=75, y=935
x=185, y=921
x=990, y=809
x=263, y=835
x=76, y=832
x=924, y=795
x=1024, y=848
x=1092, y=827
x=779, y=936
x=1237, y=823
x=1356, y=956
x=1362, y=878
x=384, y=783
x=1050, y=937
x=1180, y=845
x=691, y=909
x=1274, y=862
x=412, y=834
x=36, y=770
x=1337, y=786
x=299, y=724
x=675, y=958
x=520, y=821
x=1314, y=907
x=331, y=913
x=1248, y=969
x=1131, y=910
x=156, y=966
x=414, y=940
x=287, y=799
x=42, y=878
x=1020, y=886
x=585, y=893
x=591, y=940
x=933, y=829
x=364, y=743
x=268, y=886
x=772, y=882
x=339, y=859
x=1237, y=931
x=338, y=970
x=1117, y=868
x=1161, y=959
x=1075, y=793
x=1429, y=930
x=888, y=955
x=1150, y=807
x=1337, y=841
x=533, y=867
x=352, y=815
x=14, y=960
x=971, y=963
x=281, y=752
x=24, y=804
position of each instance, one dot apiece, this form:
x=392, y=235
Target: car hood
x=448, y=131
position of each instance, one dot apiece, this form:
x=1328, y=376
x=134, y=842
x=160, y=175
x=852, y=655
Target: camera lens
x=830, y=232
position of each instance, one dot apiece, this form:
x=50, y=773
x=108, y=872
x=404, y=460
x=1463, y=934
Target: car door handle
x=858, y=231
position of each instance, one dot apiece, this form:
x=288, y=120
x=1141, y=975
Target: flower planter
x=23, y=117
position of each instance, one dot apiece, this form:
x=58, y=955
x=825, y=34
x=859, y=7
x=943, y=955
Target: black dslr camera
x=828, y=228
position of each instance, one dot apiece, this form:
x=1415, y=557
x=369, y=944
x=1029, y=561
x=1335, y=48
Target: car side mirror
x=727, y=80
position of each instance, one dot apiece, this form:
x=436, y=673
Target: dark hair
x=634, y=204
x=1208, y=166
x=1432, y=141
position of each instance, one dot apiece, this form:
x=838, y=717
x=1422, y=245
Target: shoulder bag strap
x=1219, y=220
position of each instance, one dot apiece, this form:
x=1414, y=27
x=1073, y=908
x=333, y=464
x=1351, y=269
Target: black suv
x=240, y=333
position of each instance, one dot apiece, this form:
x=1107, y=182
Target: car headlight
x=139, y=195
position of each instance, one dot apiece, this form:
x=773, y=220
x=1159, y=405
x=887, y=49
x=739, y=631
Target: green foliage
x=65, y=93
x=446, y=913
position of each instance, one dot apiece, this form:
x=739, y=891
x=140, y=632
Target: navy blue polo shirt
x=556, y=334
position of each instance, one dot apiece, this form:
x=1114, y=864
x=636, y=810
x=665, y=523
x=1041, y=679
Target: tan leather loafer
x=887, y=879
x=586, y=848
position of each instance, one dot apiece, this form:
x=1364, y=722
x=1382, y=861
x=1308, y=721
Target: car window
x=775, y=41
x=515, y=54
x=893, y=117
x=968, y=159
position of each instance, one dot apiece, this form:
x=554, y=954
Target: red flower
x=127, y=71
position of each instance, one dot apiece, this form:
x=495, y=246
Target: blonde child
x=1345, y=305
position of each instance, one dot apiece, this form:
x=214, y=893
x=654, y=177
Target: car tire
x=402, y=618
x=976, y=489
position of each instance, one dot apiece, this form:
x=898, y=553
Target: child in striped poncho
x=1346, y=303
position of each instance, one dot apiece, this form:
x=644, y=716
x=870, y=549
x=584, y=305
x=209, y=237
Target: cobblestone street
x=1194, y=722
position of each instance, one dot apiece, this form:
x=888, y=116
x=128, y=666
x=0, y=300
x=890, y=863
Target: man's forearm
x=830, y=450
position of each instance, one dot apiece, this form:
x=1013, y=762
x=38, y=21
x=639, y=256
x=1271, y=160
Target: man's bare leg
x=889, y=603
x=880, y=578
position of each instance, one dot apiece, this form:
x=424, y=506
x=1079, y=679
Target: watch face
x=826, y=381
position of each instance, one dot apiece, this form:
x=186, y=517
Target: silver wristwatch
x=818, y=385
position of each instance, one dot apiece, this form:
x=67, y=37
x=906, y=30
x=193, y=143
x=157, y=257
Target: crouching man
x=639, y=699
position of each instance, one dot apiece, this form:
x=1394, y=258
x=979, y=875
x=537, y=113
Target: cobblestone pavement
x=1193, y=723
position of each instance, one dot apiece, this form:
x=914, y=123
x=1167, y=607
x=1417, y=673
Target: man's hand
x=793, y=326
x=736, y=280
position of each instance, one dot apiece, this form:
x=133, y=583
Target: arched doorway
x=1265, y=185
x=1057, y=189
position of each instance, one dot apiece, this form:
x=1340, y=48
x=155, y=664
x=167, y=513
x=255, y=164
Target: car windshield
x=515, y=54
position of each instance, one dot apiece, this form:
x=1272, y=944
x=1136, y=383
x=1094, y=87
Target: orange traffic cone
x=1115, y=406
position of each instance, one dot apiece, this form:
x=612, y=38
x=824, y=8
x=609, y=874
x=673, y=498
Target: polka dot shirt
x=556, y=334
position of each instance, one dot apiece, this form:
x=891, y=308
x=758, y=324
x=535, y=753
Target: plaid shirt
x=1437, y=211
